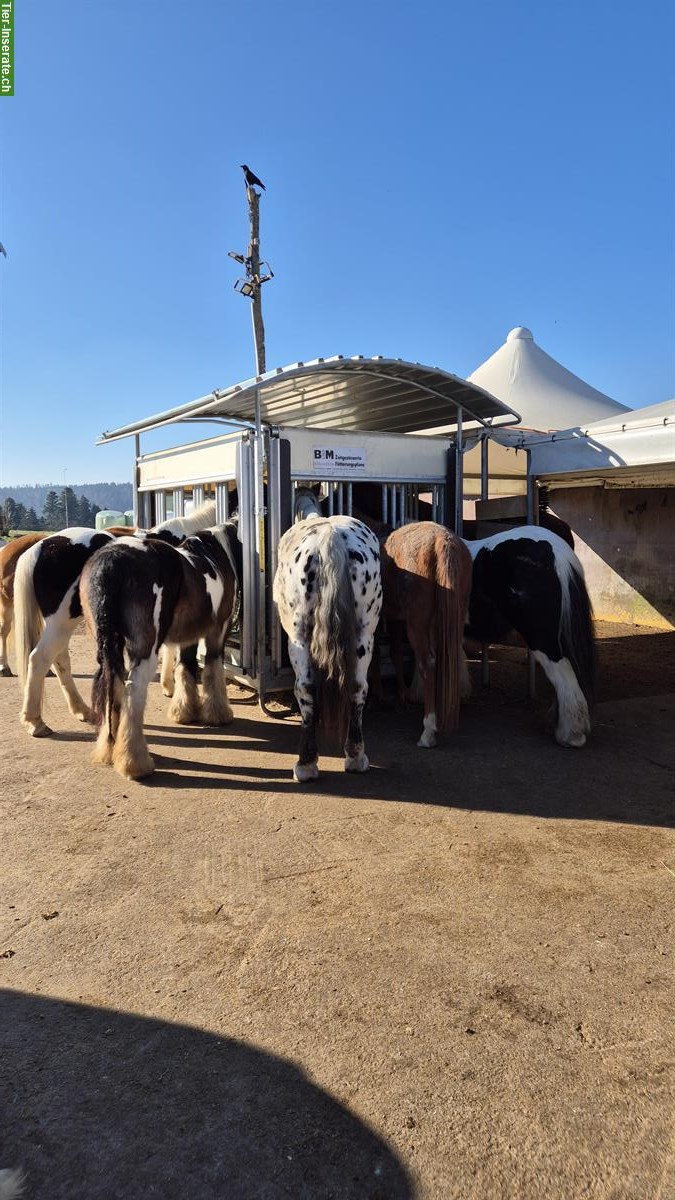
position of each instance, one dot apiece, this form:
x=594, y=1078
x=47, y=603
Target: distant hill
x=117, y=496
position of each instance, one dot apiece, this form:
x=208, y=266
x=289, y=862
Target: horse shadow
x=501, y=759
x=106, y=1105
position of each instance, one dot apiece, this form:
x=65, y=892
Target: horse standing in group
x=426, y=579
x=328, y=593
x=529, y=580
x=9, y=558
x=139, y=595
x=47, y=606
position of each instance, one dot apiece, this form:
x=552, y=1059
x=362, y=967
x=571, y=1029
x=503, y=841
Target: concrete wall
x=625, y=539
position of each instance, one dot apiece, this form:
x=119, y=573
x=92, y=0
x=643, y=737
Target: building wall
x=625, y=539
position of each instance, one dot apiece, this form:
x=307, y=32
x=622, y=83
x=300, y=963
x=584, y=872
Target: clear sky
x=436, y=174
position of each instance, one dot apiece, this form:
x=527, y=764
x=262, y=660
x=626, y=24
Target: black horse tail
x=101, y=608
x=577, y=637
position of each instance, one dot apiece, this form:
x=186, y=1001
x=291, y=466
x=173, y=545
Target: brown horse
x=9, y=557
x=426, y=579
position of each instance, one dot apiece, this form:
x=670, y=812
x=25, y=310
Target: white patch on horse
x=574, y=723
x=78, y=536
x=157, y=610
x=215, y=590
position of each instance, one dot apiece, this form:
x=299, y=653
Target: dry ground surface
x=449, y=978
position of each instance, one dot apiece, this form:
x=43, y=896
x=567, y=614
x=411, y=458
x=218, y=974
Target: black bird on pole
x=251, y=179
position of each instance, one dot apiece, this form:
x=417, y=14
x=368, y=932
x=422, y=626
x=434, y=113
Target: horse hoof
x=6, y=673
x=216, y=716
x=427, y=741
x=571, y=741
x=87, y=717
x=357, y=765
x=304, y=772
x=136, y=770
x=38, y=728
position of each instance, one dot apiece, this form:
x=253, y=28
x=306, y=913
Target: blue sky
x=435, y=175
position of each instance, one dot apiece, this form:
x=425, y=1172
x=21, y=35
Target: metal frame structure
x=279, y=418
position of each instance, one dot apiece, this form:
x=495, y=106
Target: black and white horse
x=138, y=595
x=328, y=593
x=47, y=607
x=529, y=580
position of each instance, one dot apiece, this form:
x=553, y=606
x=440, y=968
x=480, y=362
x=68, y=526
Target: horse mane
x=202, y=518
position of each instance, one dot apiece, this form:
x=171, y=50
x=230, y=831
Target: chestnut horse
x=426, y=579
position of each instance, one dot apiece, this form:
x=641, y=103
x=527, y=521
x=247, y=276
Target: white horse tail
x=453, y=584
x=12, y=1184
x=28, y=620
x=577, y=637
x=333, y=645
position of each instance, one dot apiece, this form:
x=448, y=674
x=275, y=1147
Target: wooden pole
x=253, y=198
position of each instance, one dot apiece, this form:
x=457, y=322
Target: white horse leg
x=167, y=669
x=356, y=758
x=429, y=726
x=131, y=756
x=6, y=614
x=307, y=766
x=105, y=742
x=55, y=637
x=185, y=706
x=64, y=674
x=216, y=708
x=574, y=722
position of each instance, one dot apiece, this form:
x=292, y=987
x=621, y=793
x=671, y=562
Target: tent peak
x=520, y=334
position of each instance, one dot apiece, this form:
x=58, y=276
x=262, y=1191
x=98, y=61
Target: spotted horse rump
x=328, y=593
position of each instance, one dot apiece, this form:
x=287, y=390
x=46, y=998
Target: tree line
x=61, y=509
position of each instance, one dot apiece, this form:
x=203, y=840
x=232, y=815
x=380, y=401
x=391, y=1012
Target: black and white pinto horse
x=136, y=596
x=328, y=593
x=47, y=607
x=529, y=579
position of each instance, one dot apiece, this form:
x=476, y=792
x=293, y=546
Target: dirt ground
x=449, y=978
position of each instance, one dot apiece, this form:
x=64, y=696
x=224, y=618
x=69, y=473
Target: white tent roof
x=545, y=393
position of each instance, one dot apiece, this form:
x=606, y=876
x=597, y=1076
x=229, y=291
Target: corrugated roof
x=381, y=395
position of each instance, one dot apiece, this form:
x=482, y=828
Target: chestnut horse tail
x=453, y=588
x=28, y=620
x=333, y=646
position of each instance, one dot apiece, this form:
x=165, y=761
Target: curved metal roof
x=380, y=395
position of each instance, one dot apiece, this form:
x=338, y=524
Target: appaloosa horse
x=426, y=579
x=328, y=593
x=47, y=607
x=138, y=595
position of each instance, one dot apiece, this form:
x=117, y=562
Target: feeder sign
x=338, y=460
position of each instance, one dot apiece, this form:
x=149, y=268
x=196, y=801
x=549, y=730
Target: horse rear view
x=328, y=594
x=426, y=577
x=136, y=596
